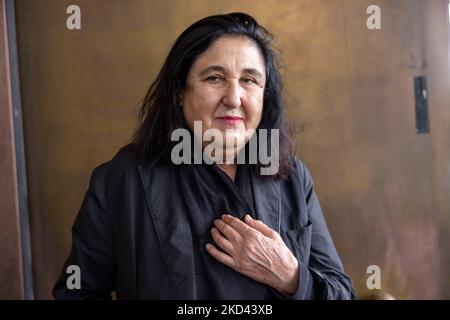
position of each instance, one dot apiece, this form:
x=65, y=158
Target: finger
x=220, y=256
x=229, y=232
x=221, y=241
x=261, y=227
x=235, y=223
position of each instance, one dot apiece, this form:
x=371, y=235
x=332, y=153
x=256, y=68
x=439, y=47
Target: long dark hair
x=160, y=112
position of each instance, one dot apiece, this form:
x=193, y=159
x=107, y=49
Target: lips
x=230, y=119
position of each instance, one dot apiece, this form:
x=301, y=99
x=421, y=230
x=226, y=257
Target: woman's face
x=225, y=88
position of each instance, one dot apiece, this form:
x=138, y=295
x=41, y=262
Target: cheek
x=200, y=105
x=254, y=112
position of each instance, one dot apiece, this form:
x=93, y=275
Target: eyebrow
x=250, y=71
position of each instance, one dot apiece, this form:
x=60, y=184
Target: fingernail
x=248, y=218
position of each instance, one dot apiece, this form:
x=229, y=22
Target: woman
x=154, y=227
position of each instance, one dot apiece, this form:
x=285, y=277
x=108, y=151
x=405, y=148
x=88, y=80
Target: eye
x=213, y=79
x=249, y=80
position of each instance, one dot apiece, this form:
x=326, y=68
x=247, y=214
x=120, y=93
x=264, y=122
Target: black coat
x=125, y=240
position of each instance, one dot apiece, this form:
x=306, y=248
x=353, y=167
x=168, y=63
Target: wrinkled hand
x=256, y=251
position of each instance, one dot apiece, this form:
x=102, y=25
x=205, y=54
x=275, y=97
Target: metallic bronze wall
x=383, y=187
x=378, y=180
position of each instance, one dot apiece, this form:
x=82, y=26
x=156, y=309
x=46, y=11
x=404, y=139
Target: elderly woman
x=154, y=227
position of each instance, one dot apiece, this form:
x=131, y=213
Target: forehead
x=232, y=52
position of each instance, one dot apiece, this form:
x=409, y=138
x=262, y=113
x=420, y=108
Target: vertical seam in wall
x=19, y=150
x=11, y=147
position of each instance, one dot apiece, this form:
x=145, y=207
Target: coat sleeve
x=323, y=277
x=92, y=247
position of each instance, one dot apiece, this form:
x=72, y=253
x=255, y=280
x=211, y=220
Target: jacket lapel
x=172, y=227
x=267, y=200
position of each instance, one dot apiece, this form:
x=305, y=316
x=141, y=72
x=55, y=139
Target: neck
x=229, y=169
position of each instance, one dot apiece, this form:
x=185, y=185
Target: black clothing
x=142, y=229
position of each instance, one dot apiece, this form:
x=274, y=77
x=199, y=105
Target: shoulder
x=124, y=163
x=300, y=173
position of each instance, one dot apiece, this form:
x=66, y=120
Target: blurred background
x=375, y=137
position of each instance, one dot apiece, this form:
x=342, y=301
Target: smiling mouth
x=230, y=119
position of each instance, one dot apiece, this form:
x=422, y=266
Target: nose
x=232, y=95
